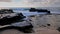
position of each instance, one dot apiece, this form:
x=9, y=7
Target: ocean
x=26, y=12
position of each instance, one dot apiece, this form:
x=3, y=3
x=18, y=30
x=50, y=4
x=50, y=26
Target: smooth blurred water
x=26, y=12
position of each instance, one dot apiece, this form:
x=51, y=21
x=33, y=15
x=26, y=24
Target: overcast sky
x=32, y=3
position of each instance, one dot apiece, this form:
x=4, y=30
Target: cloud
x=45, y=3
x=5, y=0
x=32, y=3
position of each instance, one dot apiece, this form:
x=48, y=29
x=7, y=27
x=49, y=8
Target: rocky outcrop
x=39, y=10
x=7, y=16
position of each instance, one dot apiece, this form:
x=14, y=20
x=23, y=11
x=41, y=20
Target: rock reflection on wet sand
x=11, y=31
x=37, y=31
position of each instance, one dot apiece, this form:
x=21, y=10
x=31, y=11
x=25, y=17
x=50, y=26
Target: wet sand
x=36, y=31
x=40, y=25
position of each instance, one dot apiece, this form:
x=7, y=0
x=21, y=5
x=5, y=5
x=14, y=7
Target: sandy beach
x=36, y=31
x=40, y=25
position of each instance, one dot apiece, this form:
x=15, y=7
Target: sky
x=31, y=3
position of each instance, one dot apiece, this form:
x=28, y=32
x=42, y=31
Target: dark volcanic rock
x=39, y=10
x=8, y=16
x=32, y=10
x=5, y=20
x=48, y=25
x=3, y=11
